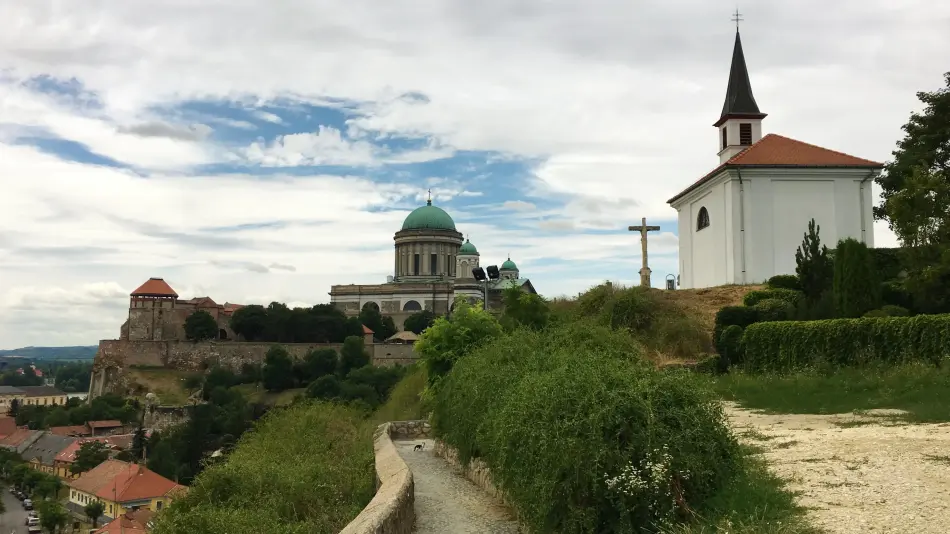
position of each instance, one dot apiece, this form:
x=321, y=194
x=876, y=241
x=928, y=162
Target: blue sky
x=254, y=154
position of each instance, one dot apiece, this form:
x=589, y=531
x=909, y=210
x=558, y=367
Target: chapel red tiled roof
x=775, y=150
x=155, y=287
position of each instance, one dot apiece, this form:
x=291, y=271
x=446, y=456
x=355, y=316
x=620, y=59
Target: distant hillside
x=53, y=353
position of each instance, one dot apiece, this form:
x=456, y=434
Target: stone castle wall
x=116, y=355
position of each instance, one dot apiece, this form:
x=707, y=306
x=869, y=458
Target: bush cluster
x=741, y=316
x=784, y=281
x=582, y=433
x=796, y=345
x=788, y=295
x=857, y=288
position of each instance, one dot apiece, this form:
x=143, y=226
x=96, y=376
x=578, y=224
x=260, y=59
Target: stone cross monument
x=643, y=229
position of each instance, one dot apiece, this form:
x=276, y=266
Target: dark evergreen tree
x=814, y=267
x=857, y=289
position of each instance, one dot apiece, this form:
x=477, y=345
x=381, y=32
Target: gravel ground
x=858, y=473
x=446, y=502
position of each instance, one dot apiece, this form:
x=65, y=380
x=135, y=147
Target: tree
x=857, y=289
x=250, y=322
x=449, y=339
x=48, y=486
x=353, y=355
x=14, y=408
x=58, y=416
x=922, y=152
x=320, y=362
x=326, y=387
x=382, y=327
x=526, y=309
x=94, y=511
x=278, y=371
x=52, y=516
x=814, y=267
x=217, y=377
x=89, y=455
x=200, y=326
x=419, y=321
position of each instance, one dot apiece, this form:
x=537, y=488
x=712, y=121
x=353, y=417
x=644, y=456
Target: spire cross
x=429, y=201
x=737, y=18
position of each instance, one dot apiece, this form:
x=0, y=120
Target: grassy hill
x=53, y=353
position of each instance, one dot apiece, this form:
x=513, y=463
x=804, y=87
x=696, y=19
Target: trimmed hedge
x=789, y=295
x=741, y=316
x=784, y=281
x=774, y=310
x=731, y=342
x=795, y=345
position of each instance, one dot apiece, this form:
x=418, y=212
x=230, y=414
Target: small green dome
x=509, y=265
x=468, y=249
x=428, y=216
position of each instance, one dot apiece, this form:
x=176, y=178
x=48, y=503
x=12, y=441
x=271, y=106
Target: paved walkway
x=446, y=502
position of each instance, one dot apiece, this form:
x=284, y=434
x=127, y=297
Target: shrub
x=895, y=294
x=875, y=313
x=709, y=364
x=789, y=295
x=326, y=387
x=741, y=316
x=813, y=264
x=353, y=355
x=532, y=404
x=856, y=285
x=277, y=373
x=774, y=310
x=449, y=339
x=784, y=281
x=306, y=468
x=895, y=311
x=200, y=326
x=796, y=345
x=730, y=341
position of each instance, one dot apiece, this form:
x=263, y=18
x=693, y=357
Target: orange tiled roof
x=99, y=477
x=135, y=483
x=68, y=454
x=155, y=287
x=775, y=150
x=366, y=330
x=111, y=423
x=7, y=426
x=125, y=524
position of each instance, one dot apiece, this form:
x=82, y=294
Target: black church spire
x=739, y=100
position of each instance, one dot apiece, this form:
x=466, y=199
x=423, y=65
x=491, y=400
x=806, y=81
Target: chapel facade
x=742, y=222
x=432, y=265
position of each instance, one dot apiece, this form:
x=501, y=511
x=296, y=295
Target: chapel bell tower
x=740, y=123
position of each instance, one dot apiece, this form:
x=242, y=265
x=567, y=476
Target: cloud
x=518, y=205
x=280, y=267
x=192, y=132
x=269, y=117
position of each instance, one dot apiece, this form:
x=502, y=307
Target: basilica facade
x=432, y=265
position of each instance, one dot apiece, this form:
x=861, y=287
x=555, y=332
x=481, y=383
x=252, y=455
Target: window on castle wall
x=702, y=220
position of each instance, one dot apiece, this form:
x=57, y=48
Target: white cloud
x=519, y=205
x=269, y=117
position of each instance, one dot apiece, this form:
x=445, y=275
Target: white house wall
x=708, y=248
x=684, y=234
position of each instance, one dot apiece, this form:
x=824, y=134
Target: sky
x=253, y=152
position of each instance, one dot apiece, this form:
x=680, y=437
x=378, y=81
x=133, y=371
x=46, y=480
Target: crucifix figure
x=643, y=229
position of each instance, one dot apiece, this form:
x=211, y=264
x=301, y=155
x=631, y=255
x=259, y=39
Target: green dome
x=428, y=216
x=509, y=265
x=468, y=249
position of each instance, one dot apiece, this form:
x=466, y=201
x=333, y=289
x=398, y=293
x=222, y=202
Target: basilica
x=432, y=265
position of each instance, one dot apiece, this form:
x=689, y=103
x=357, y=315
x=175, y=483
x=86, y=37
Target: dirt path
x=858, y=473
x=446, y=502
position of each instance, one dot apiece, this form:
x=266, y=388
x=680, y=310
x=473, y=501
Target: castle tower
x=508, y=270
x=740, y=123
x=151, y=311
x=467, y=260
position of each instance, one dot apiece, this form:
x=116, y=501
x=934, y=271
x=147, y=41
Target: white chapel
x=742, y=222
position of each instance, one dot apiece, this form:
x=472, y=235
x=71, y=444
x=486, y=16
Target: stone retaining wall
x=392, y=509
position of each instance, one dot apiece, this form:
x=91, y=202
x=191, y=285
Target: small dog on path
x=419, y=447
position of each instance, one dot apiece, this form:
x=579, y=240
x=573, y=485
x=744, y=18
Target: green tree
x=525, y=309
x=449, y=339
x=250, y=322
x=353, y=355
x=326, y=387
x=58, y=416
x=382, y=326
x=200, y=326
x=419, y=321
x=94, y=511
x=921, y=153
x=857, y=289
x=278, y=371
x=14, y=408
x=89, y=455
x=48, y=486
x=217, y=377
x=813, y=265
x=53, y=516
x=320, y=362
